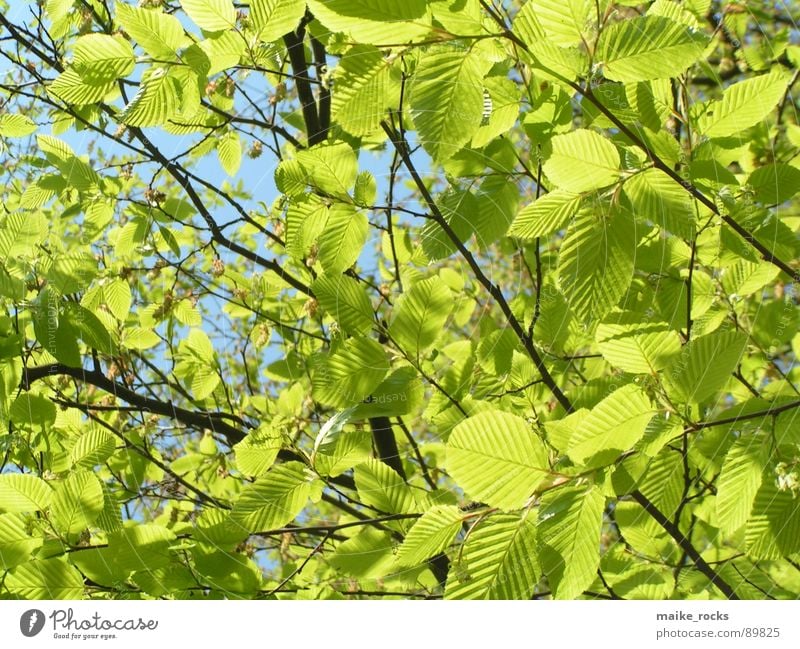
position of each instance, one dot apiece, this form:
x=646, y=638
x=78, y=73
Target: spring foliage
x=399, y=298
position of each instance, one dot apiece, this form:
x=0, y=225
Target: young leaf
x=497, y=458
x=16, y=544
x=274, y=18
x=343, y=238
x=497, y=561
x=157, y=99
x=773, y=527
x=581, y=161
x=229, y=152
x=160, y=34
x=705, y=365
x=389, y=21
x=648, y=47
x=362, y=90
x=595, y=263
x=545, y=215
x=211, y=15
x=613, y=426
x=346, y=301
x=100, y=58
x=23, y=492
x=563, y=22
x=447, y=99
x=330, y=167
x=70, y=88
x=743, y=105
x=379, y=486
x=16, y=125
x=659, y=199
x=273, y=500
x=420, y=314
x=739, y=481
x=77, y=502
x=569, y=539
x=45, y=579
x=430, y=535
x=636, y=345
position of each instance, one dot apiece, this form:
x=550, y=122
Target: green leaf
x=93, y=447
x=117, y=297
x=70, y=88
x=77, y=502
x=569, y=539
x=140, y=547
x=498, y=201
x=16, y=545
x=497, y=561
x=374, y=21
x=458, y=208
x=773, y=183
x=739, y=481
x=273, y=500
x=21, y=233
x=545, y=215
x=563, y=22
x=356, y=368
x=595, y=263
x=229, y=152
x=612, y=427
x=344, y=236
x=160, y=34
x=23, y=492
x=346, y=301
x=210, y=15
x=637, y=345
x=88, y=327
x=45, y=579
x=705, y=366
x=773, y=528
x=256, y=453
x=497, y=458
x=330, y=168
x=29, y=410
x=581, y=161
x=157, y=99
x=367, y=555
x=100, y=58
x=743, y=105
x=648, y=47
x=658, y=198
x=420, y=314
x=380, y=486
x=362, y=90
x=273, y=18
x=16, y=125
x=447, y=99
x=431, y=534
x=400, y=393
x=223, y=49
x=747, y=277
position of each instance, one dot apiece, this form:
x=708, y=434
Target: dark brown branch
x=494, y=291
x=386, y=444
x=297, y=56
x=685, y=545
x=199, y=420
x=324, y=94
x=770, y=412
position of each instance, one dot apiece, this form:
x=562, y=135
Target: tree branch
x=494, y=291
x=684, y=544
